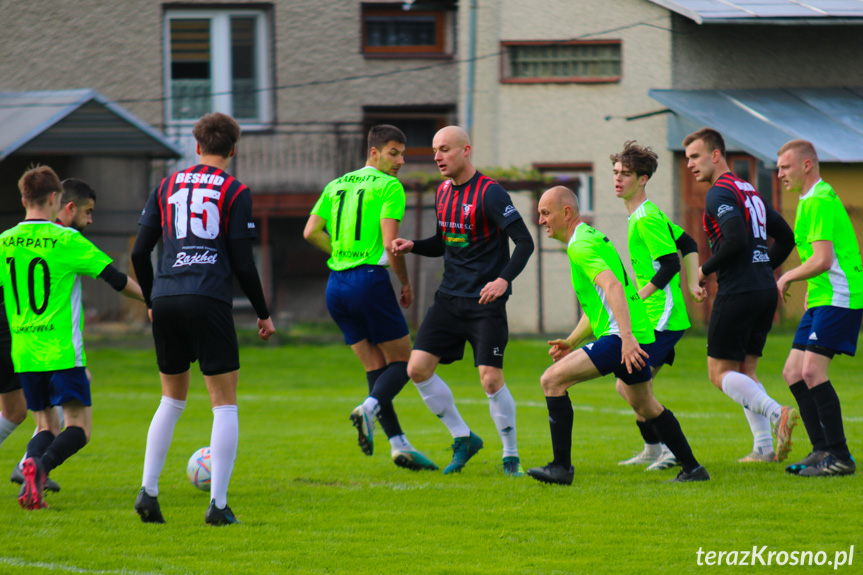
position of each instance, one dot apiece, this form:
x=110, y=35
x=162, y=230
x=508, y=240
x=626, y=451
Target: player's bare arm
x=401, y=246
x=631, y=353
x=315, y=233
x=820, y=262
x=696, y=290
x=562, y=347
x=390, y=232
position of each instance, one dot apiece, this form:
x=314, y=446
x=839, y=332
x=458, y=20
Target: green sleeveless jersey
x=651, y=236
x=822, y=217
x=590, y=253
x=353, y=207
x=40, y=263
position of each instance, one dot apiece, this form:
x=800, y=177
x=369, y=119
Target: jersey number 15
x=203, y=227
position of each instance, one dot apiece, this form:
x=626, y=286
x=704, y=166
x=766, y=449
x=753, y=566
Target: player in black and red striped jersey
x=203, y=216
x=738, y=222
x=475, y=221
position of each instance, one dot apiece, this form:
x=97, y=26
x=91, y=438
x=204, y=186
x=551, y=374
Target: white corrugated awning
x=759, y=122
x=767, y=11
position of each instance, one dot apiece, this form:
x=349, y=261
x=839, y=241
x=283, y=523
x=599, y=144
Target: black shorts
x=452, y=320
x=9, y=380
x=188, y=328
x=739, y=324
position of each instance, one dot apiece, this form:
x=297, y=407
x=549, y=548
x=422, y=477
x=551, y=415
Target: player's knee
x=551, y=383
x=811, y=376
x=791, y=374
x=16, y=415
x=418, y=374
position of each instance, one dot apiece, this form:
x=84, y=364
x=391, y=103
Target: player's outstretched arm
x=132, y=289
x=315, y=233
x=121, y=282
x=148, y=237
x=561, y=347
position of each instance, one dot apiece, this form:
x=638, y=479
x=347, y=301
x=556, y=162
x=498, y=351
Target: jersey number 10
x=31, y=284
x=206, y=228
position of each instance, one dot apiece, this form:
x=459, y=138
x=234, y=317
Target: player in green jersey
x=76, y=211
x=653, y=245
x=42, y=263
x=616, y=315
x=355, y=217
x=831, y=266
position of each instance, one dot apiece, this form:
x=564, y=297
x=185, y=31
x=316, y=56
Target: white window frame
x=220, y=56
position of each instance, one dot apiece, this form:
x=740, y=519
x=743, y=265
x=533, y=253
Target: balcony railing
x=291, y=159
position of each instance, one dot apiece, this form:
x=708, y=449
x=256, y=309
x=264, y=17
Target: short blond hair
x=803, y=147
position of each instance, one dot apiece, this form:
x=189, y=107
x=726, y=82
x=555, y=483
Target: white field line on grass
x=57, y=567
x=465, y=401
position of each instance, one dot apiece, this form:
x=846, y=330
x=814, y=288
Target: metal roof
x=767, y=11
x=75, y=122
x=761, y=121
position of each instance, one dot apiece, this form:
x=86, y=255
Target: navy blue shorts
x=363, y=304
x=606, y=352
x=662, y=350
x=829, y=327
x=44, y=389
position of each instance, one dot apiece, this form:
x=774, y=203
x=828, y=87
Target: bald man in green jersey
x=653, y=245
x=832, y=269
x=615, y=314
x=355, y=217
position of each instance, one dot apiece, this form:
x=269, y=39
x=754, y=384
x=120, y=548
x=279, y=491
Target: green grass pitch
x=310, y=502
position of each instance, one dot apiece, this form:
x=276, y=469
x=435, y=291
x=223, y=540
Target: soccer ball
x=199, y=469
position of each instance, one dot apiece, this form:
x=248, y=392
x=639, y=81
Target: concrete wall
x=521, y=124
x=751, y=56
x=117, y=49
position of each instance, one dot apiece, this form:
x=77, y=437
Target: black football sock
x=391, y=381
x=809, y=415
x=389, y=420
x=67, y=444
x=372, y=377
x=560, y=422
x=647, y=432
x=668, y=429
x=830, y=414
x=39, y=443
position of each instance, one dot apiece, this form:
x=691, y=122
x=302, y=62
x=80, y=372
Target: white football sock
x=438, y=397
x=762, y=437
x=371, y=405
x=6, y=428
x=745, y=391
x=223, y=451
x=653, y=449
x=501, y=405
x=401, y=443
x=159, y=441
